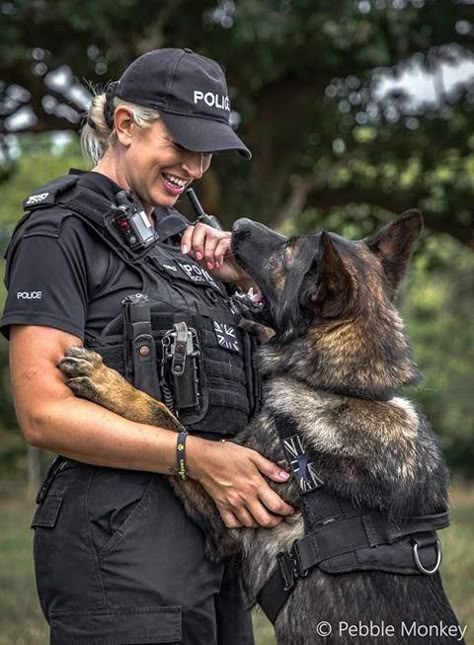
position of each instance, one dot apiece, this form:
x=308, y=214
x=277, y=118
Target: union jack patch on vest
x=226, y=336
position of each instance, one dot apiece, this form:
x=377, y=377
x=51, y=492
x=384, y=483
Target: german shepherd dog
x=337, y=357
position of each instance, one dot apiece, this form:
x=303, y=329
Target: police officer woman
x=117, y=560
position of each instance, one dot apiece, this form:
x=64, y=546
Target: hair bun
x=109, y=103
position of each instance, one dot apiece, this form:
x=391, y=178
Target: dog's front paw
x=85, y=373
x=79, y=361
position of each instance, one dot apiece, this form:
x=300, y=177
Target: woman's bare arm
x=52, y=417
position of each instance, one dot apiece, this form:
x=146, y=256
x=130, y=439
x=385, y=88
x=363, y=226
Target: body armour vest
x=178, y=338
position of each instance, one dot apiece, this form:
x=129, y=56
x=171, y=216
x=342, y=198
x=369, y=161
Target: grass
x=21, y=621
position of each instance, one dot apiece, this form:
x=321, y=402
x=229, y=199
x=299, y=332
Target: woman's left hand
x=212, y=248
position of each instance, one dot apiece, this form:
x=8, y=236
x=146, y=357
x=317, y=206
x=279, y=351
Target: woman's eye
x=178, y=146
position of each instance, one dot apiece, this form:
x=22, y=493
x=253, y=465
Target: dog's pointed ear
x=394, y=244
x=334, y=282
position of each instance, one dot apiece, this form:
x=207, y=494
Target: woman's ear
x=124, y=125
x=394, y=245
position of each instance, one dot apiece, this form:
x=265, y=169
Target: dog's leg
x=89, y=378
x=263, y=333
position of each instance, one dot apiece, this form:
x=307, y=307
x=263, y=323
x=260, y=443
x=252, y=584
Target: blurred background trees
x=354, y=110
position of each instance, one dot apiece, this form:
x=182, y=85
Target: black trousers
x=118, y=562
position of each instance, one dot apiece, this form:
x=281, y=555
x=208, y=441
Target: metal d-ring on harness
x=340, y=537
x=419, y=564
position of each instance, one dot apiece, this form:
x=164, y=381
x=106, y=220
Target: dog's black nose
x=242, y=225
x=240, y=234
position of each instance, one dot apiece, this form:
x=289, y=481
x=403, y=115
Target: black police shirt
x=71, y=281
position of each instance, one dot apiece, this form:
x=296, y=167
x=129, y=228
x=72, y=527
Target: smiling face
x=151, y=164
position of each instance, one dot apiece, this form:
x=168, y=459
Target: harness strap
x=343, y=536
x=359, y=532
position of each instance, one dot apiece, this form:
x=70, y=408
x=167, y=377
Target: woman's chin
x=162, y=198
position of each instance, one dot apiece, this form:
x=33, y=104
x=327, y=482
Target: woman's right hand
x=233, y=477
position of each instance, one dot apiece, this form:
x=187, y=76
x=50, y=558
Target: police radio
x=210, y=220
x=132, y=223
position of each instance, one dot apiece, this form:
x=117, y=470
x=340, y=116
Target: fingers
x=253, y=516
x=208, y=245
x=258, y=506
x=210, y=257
x=262, y=517
x=274, y=503
x=271, y=470
x=222, y=247
x=229, y=519
x=197, y=241
x=245, y=518
x=232, y=475
x=186, y=240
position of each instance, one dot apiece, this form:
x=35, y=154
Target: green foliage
x=41, y=160
x=303, y=76
x=438, y=311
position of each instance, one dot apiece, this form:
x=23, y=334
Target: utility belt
x=342, y=538
x=200, y=367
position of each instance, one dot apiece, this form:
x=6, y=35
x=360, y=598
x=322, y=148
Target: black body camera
x=132, y=223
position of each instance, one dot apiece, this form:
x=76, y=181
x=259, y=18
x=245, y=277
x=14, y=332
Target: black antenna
x=210, y=220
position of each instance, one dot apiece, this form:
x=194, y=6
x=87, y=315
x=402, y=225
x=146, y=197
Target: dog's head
x=322, y=278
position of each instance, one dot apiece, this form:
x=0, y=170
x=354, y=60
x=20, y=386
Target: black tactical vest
x=178, y=339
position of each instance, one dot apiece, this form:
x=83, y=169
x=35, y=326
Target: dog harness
x=341, y=537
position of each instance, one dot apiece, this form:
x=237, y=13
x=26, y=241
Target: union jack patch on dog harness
x=303, y=469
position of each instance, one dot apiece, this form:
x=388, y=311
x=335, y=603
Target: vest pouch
x=200, y=356
x=139, y=347
x=210, y=397
x=181, y=371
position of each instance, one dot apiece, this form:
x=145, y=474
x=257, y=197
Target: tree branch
x=392, y=202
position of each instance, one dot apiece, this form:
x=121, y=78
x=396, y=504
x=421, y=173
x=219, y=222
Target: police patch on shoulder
x=226, y=336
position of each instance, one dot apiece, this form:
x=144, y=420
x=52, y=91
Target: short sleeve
x=47, y=285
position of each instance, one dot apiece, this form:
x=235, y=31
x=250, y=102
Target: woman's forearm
x=85, y=431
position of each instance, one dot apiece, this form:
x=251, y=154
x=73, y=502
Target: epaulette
x=48, y=194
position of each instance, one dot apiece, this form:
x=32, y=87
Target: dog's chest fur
x=380, y=454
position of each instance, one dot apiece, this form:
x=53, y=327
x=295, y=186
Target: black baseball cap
x=190, y=92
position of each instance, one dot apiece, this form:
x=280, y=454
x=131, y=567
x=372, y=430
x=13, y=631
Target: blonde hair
x=97, y=136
